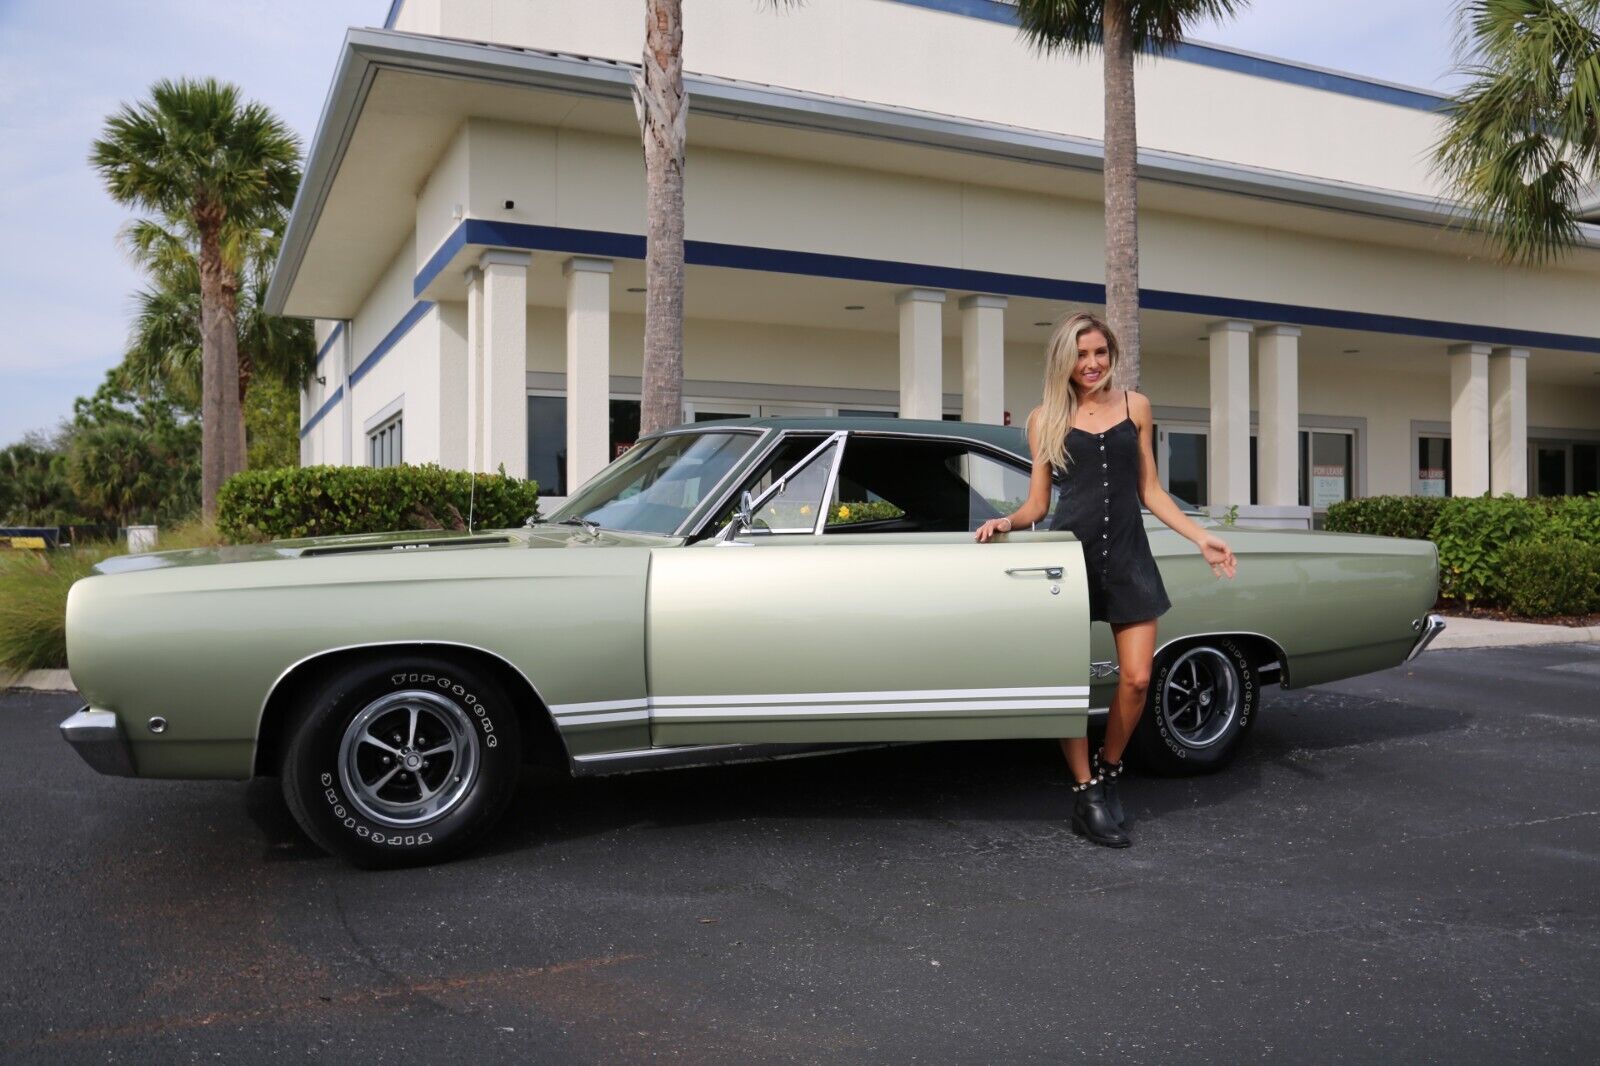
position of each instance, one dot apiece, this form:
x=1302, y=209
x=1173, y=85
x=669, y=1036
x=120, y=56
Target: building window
x=385, y=444
x=1563, y=467
x=547, y=439
x=1433, y=466
x=1327, y=467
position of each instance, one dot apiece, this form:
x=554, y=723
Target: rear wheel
x=1201, y=704
x=402, y=761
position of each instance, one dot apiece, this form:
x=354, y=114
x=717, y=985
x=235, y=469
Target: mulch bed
x=1453, y=608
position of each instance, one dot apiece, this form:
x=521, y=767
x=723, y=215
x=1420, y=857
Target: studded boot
x=1108, y=772
x=1092, y=819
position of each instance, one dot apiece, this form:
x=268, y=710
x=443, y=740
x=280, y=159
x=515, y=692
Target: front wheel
x=1202, y=702
x=402, y=761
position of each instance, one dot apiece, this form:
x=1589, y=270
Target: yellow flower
x=844, y=512
x=805, y=509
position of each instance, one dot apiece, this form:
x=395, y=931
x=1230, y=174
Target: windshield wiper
x=591, y=528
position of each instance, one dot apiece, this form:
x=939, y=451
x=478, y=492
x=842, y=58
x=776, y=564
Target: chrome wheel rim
x=408, y=758
x=1200, y=697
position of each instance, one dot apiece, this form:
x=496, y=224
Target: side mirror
x=743, y=518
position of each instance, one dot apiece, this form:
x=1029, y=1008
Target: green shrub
x=1386, y=516
x=1474, y=535
x=33, y=605
x=851, y=512
x=317, y=501
x=1570, y=518
x=1554, y=577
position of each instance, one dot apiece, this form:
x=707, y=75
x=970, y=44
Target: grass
x=33, y=594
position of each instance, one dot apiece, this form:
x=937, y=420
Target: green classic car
x=725, y=591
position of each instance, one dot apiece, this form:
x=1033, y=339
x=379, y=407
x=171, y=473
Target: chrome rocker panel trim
x=97, y=736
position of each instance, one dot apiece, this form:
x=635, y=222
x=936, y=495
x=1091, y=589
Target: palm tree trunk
x=230, y=304
x=662, y=109
x=215, y=386
x=1122, y=191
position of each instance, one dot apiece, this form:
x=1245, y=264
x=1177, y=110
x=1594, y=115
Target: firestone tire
x=403, y=761
x=1202, y=702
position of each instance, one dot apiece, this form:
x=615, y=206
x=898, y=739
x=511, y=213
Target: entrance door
x=1181, y=461
x=1551, y=468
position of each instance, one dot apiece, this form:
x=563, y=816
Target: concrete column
x=1278, y=393
x=921, y=353
x=505, y=360
x=1508, y=421
x=1228, y=443
x=474, y=369
x=588, y=367
x=983, y=359
x=347, y=405
x=1469, y=419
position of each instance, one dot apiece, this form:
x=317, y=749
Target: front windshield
x=658, y=483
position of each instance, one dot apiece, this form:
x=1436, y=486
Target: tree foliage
x=1522, y=142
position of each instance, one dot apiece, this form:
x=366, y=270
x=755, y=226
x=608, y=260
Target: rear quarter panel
x=1338, y=604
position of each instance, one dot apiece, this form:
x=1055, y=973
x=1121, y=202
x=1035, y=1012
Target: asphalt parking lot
x=1404, y=867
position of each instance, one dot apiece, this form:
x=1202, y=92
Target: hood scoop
x=406, y=546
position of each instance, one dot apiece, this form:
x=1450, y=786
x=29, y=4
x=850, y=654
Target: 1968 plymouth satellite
x=724, y=591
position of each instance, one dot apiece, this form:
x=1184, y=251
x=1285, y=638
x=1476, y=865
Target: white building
x=888, y=203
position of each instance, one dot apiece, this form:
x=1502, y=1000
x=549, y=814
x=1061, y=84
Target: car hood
x=417, y=541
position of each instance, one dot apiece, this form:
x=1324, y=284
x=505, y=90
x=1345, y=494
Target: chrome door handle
x=1054, y=573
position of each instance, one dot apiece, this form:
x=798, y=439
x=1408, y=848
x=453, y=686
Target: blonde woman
x=1099, y=438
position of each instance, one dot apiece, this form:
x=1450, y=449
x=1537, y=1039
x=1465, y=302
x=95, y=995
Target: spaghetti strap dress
x=1099, y=504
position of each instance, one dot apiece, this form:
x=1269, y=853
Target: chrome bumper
x=98, y=738
x=1431, y=627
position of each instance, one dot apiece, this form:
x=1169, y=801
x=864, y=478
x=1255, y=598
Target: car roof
x=1008, y=438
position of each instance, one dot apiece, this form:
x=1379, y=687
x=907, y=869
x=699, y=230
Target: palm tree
x=195, y=151
x=663, y=109
x=1522, y=143
x=165, y=346
x=1122, y=28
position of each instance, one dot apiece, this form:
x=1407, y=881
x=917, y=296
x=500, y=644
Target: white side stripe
x=867, y=710
x=597, y=719
x=870, y=697
x=603, y=705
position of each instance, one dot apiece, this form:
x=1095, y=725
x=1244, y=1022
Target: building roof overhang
x=369, y=52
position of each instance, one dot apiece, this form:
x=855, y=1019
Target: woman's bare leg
x=1076, y=749
x=1136, y=648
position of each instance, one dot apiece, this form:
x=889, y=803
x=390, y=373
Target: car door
x=800, y=637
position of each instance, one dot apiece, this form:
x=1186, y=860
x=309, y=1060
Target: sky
x=66, y=286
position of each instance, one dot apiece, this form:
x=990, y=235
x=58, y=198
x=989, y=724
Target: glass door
x=1551, y=473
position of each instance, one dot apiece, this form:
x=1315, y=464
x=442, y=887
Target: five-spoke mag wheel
x=408, y=757
x=1202, y=700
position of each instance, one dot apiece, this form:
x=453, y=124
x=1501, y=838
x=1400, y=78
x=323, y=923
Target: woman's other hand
x=1218, y=555
x=992, y=527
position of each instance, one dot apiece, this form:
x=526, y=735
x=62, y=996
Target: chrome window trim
x=832, y=484
x=777, y=488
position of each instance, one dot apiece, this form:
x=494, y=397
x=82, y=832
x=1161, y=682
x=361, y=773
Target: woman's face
x=1094, y=360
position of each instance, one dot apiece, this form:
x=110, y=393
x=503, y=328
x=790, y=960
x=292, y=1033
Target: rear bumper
x=1429, y=627
x=97, y=736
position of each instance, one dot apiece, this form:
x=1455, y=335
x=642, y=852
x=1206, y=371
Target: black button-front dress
x=1099, y=504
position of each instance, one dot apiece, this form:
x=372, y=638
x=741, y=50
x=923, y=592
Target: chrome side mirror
x=743, y=518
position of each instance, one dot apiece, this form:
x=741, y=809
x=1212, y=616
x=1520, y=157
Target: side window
x=909, y=485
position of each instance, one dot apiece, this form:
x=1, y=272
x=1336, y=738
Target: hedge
x=318, y=501
x=1494, y=550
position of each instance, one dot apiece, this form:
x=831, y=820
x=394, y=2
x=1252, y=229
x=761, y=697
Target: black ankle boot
x=1108, y=772
x=1092, y=819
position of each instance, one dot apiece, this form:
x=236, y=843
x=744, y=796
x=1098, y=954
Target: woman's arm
x=1154, y=497
x=1038, y=502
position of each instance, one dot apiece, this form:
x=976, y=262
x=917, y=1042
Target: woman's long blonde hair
x=1060, y=404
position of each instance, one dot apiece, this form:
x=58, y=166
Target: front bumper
x=97, y=736
x=1430, y=627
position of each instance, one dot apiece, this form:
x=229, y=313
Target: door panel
x=872, y=638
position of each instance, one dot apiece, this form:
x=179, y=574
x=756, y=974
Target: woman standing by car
x=1108, y=470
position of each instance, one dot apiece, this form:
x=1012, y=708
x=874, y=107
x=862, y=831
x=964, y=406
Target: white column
x=921, y=353
x=1508, y=421
x=588, y=367
x=1278, y=392
x=983, y=359
x=1469, y=419
x=505, y=360
x=347, y=405
x=1228, y=443
x=474, y=278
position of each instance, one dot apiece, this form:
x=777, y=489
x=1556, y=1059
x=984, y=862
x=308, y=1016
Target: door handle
x=1054, y=573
